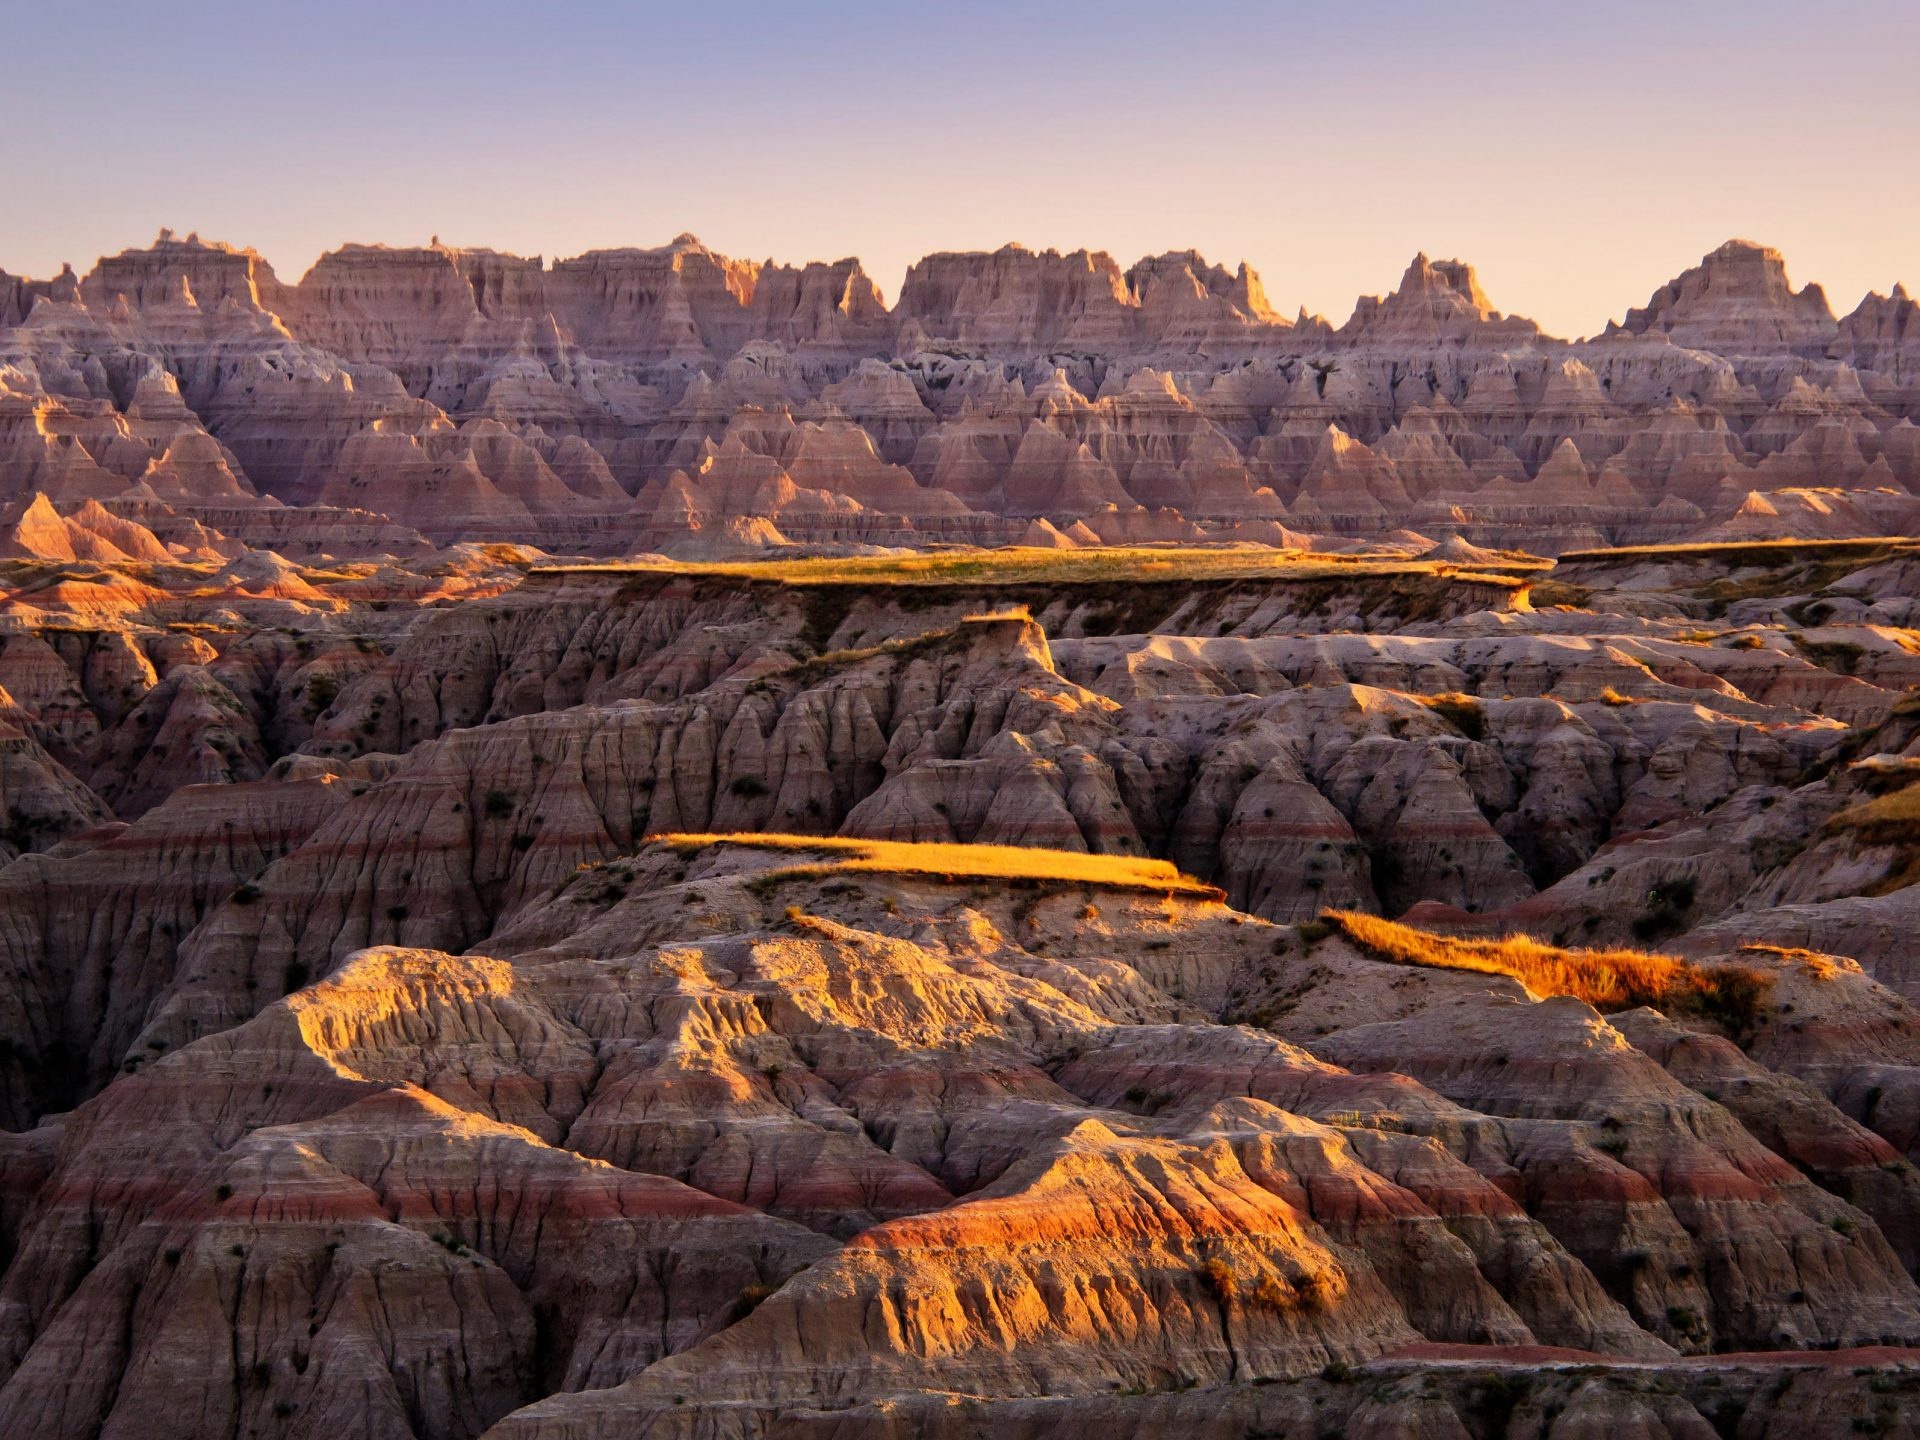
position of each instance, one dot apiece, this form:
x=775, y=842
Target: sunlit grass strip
x=1608, y=980
x=960, y=863
x=1888, y=820
x=1024, y=565
x=1760, y=552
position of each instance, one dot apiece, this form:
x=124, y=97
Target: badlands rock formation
x=451, y=992
x=677, y=400
x=651, y=844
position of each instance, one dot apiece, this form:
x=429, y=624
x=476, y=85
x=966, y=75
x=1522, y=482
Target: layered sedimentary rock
x=744, y=1129
x=1257, y=956
x=1020, y=384
x=1737, y=296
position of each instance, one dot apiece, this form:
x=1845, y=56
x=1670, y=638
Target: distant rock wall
x=648, y=398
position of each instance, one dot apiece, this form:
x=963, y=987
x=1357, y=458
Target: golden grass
x=1758, y=552
x=956, y=863
x=341, y=575
x=1888, y=820
x=1032, y=565
x=1608, y=980
x=1892, y=820
x=998, y=617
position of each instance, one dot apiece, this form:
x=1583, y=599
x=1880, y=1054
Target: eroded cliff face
x=645, y=399
x=461, y=995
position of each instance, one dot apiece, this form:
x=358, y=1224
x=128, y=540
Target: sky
x=1578, y=155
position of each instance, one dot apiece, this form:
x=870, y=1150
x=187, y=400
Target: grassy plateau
x=1017, y=565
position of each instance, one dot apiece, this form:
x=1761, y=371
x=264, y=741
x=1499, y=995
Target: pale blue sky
x=1578, y=155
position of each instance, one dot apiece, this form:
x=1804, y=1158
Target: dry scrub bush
x=1311, y=1291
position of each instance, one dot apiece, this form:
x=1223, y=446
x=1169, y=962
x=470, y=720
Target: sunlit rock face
x=1169, y=396
x=1737, y=298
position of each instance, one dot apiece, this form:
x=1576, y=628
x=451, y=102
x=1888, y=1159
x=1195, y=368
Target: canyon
x=652, y=844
